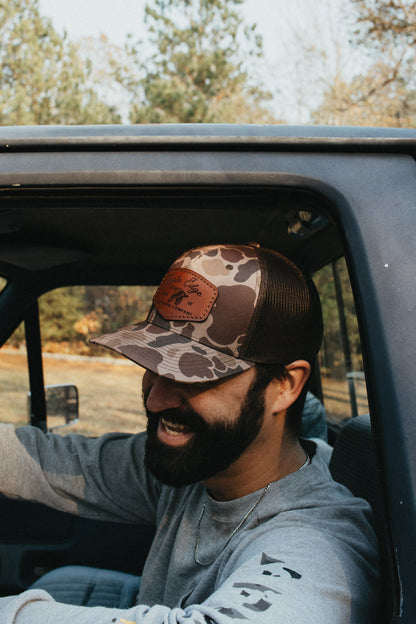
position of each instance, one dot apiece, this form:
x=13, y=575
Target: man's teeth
x=173, y=428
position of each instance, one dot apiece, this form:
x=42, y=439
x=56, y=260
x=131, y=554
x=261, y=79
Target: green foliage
x=110, y=307
x=43, y=79
x=73, y=315
x=58, y=311
x=70, y=316
x=200, y=68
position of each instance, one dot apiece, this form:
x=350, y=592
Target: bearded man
x=250, y=526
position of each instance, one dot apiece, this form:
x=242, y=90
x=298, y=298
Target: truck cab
x=113, y=206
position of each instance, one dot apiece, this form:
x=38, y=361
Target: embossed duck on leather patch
x=184, y=295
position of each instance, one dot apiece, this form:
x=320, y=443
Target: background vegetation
x=70, y=316
x=201, y=63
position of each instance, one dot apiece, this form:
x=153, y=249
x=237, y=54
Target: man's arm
x=301, y=583
x=90, y=477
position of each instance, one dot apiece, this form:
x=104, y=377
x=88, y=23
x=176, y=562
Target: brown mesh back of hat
x=287, y=321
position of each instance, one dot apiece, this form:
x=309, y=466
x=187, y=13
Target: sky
x=115, y=19
x=278, y=21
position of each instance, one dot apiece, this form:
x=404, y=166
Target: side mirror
x=61, y=405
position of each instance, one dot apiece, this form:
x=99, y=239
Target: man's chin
x=176, y=466
x=168, y=462
x=168, y=475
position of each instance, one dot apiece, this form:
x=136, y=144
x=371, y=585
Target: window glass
x=109, y=392
x=340, y=359
x=14, y=380
x=109, y=386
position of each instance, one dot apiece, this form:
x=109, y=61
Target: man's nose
x=161, y=393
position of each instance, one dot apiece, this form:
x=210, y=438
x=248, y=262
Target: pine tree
x=200, y=69
x=43, y=80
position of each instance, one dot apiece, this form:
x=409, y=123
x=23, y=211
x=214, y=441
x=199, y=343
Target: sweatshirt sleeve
x=102, y=478
x=299, y=585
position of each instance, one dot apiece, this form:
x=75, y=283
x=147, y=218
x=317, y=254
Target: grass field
x=110, y=392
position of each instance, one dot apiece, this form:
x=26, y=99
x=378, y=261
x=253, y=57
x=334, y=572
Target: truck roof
x=118, y=136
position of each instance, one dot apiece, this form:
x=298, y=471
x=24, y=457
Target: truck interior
x=127, y=236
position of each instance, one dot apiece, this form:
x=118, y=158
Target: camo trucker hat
x=220, y=310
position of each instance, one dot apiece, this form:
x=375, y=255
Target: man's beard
x=213, y=447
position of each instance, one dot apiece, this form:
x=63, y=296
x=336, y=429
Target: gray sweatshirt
x=306, y=553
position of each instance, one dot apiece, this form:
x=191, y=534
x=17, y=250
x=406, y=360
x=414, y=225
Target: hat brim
x=171, y=355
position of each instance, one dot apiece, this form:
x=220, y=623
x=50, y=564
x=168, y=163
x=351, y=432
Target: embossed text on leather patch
x=184, y=295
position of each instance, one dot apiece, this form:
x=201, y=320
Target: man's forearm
x=22, y=477
x=76, y=474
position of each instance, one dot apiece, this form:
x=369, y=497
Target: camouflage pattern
x=201, y=313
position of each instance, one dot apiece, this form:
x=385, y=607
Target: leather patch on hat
x=184, y=295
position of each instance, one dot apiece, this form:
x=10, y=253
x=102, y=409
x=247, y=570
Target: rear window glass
x=340, y=358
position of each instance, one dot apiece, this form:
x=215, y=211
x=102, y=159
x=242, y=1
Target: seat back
x=354, y=464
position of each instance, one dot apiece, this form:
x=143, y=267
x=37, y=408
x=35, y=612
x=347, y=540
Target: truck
x=115, y=205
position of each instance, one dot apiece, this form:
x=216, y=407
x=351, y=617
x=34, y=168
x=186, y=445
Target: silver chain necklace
x=239, y=525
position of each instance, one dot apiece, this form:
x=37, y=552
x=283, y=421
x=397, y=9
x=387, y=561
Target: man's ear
x=297, y=374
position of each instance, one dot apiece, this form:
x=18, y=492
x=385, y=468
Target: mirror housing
x=61, y=405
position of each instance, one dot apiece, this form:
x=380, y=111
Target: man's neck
x=251, y=472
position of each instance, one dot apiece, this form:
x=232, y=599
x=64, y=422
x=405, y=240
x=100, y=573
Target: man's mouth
x=174, y=428
x=173, y=433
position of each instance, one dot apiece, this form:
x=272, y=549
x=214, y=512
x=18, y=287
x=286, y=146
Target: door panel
x=36, y=539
